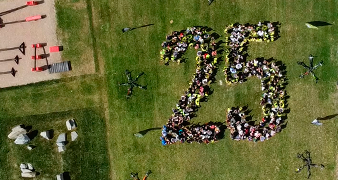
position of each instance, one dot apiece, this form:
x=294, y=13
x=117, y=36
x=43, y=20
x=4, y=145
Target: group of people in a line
x=178, y=128
x=272, y=82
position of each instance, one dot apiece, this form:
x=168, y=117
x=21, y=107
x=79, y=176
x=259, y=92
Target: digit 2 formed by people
x=237, y=69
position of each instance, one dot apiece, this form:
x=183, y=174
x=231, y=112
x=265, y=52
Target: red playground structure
x=31, y=3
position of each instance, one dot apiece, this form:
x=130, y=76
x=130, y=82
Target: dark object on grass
x=210, y=1
x=310, y=68
x=126, y=29
x=328, y=117
x=319, y=23
x=132, y=83
x=307, y=163
x=144, y=132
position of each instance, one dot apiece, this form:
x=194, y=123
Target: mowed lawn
x=109, y=150
x=138, y=51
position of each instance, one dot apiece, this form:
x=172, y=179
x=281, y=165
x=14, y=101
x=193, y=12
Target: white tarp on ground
x=61, y=148
x=30, y=166
x=61, y=142
x=59, y=177
x=28, y=174
x=16, y=131
x=62, y=138
x=27, y=170
x=22, y=139
x=74, y=135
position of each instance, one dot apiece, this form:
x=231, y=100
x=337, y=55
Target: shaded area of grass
x=51, y=96
x=85, y=158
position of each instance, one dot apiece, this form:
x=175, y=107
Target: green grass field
x=107, y=148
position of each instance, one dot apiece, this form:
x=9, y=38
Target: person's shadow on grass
x=328, y=117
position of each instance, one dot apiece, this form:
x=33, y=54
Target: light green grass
x=75, y=33
x=138, y=51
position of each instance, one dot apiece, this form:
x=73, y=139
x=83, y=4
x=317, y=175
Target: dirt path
x=12, y=35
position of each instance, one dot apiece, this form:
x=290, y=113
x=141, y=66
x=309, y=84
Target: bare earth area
x=13, y=34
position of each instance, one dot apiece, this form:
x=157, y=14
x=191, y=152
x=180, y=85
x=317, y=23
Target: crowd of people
x=237, y=38
x=178, y=128
x=272, y=81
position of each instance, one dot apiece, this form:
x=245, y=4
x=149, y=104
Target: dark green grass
x=51, y=96
x=85, y=158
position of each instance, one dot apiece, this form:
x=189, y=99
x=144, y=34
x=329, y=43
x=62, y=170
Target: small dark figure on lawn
x=132, y=83
x=307, y=163
x=135, y=175
x=310, y=68
x=210, y=1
